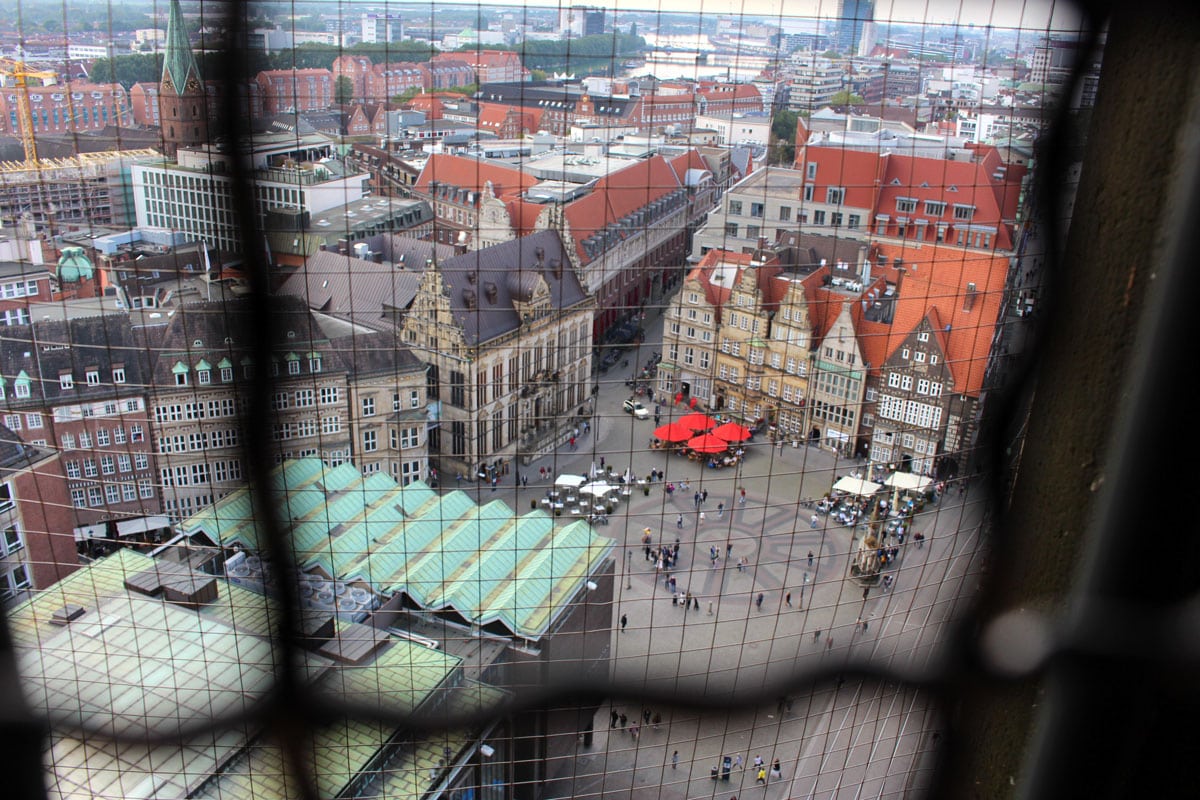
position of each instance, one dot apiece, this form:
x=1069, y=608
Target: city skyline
x=1052, y=16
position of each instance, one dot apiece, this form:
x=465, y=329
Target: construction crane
x=14, y=70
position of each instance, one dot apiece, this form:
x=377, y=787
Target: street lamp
x=628, y=569
x=802, y=591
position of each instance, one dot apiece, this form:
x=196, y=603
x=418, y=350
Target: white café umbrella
x=597, y=488
x=852, y=485
x=570, y=481
x=908, y=481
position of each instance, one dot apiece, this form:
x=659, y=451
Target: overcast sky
x=1027, y=14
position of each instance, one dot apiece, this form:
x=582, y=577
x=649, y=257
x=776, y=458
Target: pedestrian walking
x=710, y=608
x=758, y=601
x=787, y=599
x=762, y=776
x=728, y=548
x=810, y=558
x=679, y=521
x=525, y=481
x=615, y=717
x=657, y=720
x=776, y=769
x=758, y=761
x=633, y=730
x=646, y=715
x=701, y=517
x=624, y=622
x=695, y=603
x=720, y=510
x=813, y=521
x=829, y=643
x=675, y=759
x=704, y=496
x=919, y=538
x=737, y=761
x=495, y=480
x=696, y=499
x=657, y=418
x=816, y=634
x=624, y=719
x=572, y=442
x=742, y=497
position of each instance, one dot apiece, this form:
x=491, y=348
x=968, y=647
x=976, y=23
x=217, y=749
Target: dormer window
x=314, y=362
x=118, y=374
x=66, y=380
x=180, y=371
x=93, y=376
x=293, y=364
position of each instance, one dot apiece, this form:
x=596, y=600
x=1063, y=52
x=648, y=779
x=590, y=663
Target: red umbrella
x=707, y=443
x=732, y=432
x=673, y=432
x=696, y=421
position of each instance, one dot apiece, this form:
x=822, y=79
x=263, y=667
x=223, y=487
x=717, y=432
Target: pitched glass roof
x=442, y=551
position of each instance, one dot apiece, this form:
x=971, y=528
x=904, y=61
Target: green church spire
x=180, y=72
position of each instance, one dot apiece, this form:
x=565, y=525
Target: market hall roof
x=485, y=563
x=130, y=662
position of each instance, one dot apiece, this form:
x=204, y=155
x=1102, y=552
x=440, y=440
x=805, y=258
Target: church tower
x=182, y=106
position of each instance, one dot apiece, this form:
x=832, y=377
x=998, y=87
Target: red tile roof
x=523, y=215
x=617, y=195
x=934, y=285
x=857, y=171
x=469, y=173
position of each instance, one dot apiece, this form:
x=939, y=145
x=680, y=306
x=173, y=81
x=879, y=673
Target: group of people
x=650, y=718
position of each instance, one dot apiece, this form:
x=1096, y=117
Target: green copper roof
x=442, y=551
x=74, y=266
x=179, y=64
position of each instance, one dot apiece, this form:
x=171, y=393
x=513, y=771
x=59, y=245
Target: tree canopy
x=781, y=149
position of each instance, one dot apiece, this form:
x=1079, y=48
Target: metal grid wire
x=1093, y=655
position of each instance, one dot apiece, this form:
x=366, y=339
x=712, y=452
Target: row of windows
x=103, y=437
x=303, y=428
x=108, y=465
x=32, y=421
x=835, y=414
x=111, y=494
x=910, y=412
x=19, y=289
x=201, y=474
x=897, y=380
x=203, y=440
x=177, y=412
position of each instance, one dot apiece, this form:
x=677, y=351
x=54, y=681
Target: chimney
x=490, y=291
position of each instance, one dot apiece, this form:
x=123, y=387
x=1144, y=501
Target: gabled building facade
x=506, y=334
x=737, y=339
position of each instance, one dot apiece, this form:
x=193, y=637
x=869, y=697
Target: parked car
x=637, y=409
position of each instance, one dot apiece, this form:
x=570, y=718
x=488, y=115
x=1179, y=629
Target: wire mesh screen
x=482, y=401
